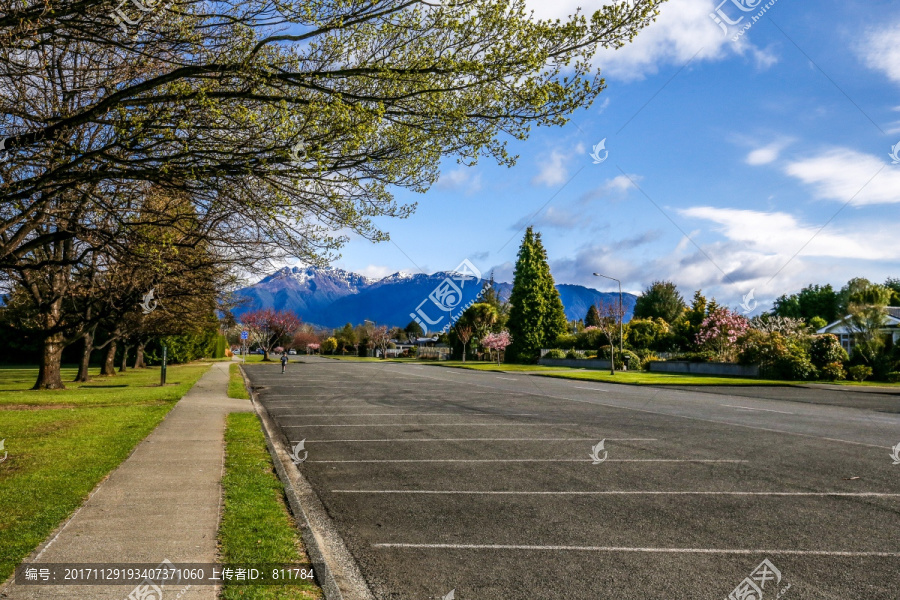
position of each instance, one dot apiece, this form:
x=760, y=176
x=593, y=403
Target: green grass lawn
x=256, y=525
x=236, y=387
x=61, y=443
x=644, y=378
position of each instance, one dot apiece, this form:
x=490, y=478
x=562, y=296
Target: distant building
x=891, y=330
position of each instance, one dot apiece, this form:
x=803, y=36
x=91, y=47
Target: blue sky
x=726, y=159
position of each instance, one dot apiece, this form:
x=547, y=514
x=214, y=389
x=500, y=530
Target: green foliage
x=221, y=345
x=591, y=339
x=413, y=330
x=329, y=345
x=893, y=377
x=688, y=326
x=794, y=367
x=592, y=319
x=893, y=284
x=817, y=323
x=862, y=291
x=536, y=317
x=568, y=340
x=571, y=355
x=826, y=349
x=859, y=372
x=699, y=356
x=183, y=348
x=812, y=301
x=629, y=359
x=660, y=301
x=555, y=354
x=832, y=372
x=648, y=334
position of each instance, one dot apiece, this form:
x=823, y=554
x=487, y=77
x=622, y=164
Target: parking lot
x=493, y=485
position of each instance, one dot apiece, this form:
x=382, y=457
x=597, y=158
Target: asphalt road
x=446, y=479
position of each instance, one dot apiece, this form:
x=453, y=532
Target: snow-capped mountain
x=331, y=297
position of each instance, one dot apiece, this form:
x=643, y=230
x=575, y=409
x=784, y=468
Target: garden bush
x=832, y=372
x=566, y=340
x=630, y=359
x=701, y=356
x=572, y=355
x=894, y=376
x=590, y=338
x=826, y=349
x=859, y=372
x=555, y=354
x=794, y=367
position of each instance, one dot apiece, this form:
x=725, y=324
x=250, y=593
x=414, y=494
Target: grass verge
x=256, y=526
x=644, y=378
x=236, y=387
x=62, y=443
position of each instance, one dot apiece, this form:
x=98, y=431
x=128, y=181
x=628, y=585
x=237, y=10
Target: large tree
x=280, y=123
x=536, y=316
x=810, y=302
x=661, y=300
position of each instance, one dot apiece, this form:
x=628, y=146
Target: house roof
x=893, y=319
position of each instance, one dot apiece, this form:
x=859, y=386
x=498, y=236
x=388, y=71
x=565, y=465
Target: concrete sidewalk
x=163, y=502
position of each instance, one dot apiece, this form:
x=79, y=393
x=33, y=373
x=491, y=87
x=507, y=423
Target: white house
x=891, y=329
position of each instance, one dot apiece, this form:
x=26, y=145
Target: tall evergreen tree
x=593, y=317
x=536, y=316
x=660, y=301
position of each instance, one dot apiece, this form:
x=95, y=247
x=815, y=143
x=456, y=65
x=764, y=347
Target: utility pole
x=621, y=312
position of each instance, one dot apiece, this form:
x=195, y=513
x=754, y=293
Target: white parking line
x=592, y=389
x=480, y=440
x=621, y=493
x=762, y=409
x=762, y=552
x=507, y=378
x=530, y=460
x=416, y=414
x=439, y=425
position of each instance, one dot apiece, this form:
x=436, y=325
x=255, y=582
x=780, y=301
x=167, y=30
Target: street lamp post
x=621, y=312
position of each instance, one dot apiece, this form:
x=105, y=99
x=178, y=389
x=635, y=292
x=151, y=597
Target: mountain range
x=330, y=297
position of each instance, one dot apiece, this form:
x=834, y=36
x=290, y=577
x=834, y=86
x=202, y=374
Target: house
x=845, y=335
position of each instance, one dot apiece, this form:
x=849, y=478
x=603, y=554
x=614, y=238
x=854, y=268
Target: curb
x=336, y=570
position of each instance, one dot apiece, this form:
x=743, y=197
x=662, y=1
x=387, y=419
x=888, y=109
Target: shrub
x=894, y=377
x=833, y=372
x=698, y=357
x=590, y=338
x=629, y=359
x=795, y=367
x=566, y=340
x=555, y=354
x=572, y=355
x=826, y=349
x=859, y=372
x=645, y=362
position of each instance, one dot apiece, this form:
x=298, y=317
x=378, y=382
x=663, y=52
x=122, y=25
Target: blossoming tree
x=720, y=331
x=497, y=341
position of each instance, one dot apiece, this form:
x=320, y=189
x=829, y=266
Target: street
x=492, y=484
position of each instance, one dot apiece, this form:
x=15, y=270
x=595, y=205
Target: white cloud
x=766, y=154
x=779, y=233
x=554, y=170
x=880, y=50
x=683, y=31
x=464, y=178
x=841, y=174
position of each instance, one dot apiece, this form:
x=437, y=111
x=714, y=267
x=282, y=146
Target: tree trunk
x=49, y=376
x=124, y=366
x=139, y=356
x=83, y=369
x=109, y=365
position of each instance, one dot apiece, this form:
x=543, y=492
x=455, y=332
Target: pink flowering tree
x=312, y=347
x=268, y=327
x=498, y=342
x=720, y=331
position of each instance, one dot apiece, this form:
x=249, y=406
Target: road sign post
x=162, y=373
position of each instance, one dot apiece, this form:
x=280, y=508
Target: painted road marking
x=762, y=552
x=621, y=493
x=530, y=460
x=593, y=439
x=762, y=409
